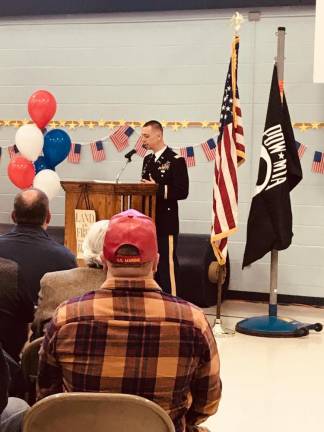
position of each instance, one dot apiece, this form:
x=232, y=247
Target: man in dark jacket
x=16, y=308
x=169, y=171
x=12, y=409
x=35, y=254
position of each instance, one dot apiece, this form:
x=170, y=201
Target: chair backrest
x=29, y=358
x=29, y=366
x=96, y=412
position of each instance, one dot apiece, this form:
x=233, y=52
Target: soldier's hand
x=151, y=181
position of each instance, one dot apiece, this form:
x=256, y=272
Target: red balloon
x=21, y=172
x=41, y=107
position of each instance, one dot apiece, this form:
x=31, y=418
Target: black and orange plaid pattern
x=130, y=337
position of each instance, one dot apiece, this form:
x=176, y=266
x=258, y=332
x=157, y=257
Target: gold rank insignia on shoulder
x=165, y=166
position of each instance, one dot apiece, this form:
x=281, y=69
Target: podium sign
x=83, y=221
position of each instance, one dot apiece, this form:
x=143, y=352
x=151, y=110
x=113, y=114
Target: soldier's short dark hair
x=154, y=124
x=32, y=211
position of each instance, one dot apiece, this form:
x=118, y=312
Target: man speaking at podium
x=169, y=171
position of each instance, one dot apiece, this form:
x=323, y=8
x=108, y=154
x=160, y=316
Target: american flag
x=301, y=148
x=75, y=153
x=318, y=162
x=140, y=150
x=13, y=151
x=98, y=152
x=120, y=137
x=189, y=155
x=230, y=152
x=209, y=149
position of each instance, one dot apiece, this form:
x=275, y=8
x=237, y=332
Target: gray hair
x=93, y=242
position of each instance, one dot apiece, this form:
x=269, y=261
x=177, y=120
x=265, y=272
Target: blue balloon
x=57, y=144
x=41, y=164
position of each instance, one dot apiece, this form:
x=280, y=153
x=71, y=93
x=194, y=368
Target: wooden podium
x=106, y=199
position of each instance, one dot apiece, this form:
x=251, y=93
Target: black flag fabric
x=270, y=218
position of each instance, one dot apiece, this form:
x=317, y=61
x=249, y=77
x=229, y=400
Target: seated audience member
x=16, y=308
x=62, y=285
x=31, y=248
x=131, y=337
x=12, y=409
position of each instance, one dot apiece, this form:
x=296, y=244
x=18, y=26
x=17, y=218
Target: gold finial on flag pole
x=236, y=21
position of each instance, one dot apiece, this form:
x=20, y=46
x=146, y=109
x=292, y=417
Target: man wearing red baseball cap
x=131, y=337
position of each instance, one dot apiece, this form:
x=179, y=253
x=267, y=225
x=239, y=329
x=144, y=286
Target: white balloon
x=47, y=181
x=29, y=140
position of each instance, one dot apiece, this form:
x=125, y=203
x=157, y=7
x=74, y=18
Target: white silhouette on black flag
x=270, y=218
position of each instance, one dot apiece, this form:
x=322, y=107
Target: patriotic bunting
x=13, y=151
x=75, y=153
x=318, y=162
x=209, y=149
x=98, y=152
x=140, y=150
x=301, y=148
x=120, y=137
x=188, y=154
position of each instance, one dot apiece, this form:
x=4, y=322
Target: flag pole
x=216, y=271
x=272, y=325
x=220, y=272
x=280, y=61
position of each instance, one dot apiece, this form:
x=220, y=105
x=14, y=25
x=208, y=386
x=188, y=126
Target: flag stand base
x=273, y=326
x=217, y=273
x=220, y=331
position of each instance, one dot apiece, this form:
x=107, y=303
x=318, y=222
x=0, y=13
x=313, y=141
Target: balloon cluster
x=39, y=154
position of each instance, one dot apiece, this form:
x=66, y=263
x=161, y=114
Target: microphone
x=130, y=154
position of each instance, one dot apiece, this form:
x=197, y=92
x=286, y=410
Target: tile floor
x=270, y=383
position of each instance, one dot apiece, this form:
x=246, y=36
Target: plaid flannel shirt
x=130, y=337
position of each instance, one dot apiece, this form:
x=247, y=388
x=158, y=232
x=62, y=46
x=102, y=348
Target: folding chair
x=29, y=366
x=96, y=412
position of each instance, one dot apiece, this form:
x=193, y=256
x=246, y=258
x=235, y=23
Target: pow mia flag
x=270, y=218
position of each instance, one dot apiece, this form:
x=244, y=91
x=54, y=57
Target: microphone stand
x=122, y=170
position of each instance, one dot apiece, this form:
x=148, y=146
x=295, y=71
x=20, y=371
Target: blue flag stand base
x=273, y=326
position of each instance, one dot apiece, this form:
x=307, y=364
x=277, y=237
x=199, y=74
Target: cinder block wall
x=172, y=66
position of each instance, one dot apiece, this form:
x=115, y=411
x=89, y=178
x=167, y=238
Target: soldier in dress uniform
x=169, y=171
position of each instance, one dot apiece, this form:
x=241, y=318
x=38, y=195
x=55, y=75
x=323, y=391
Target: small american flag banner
x=98, y=152
x=209, y=149
x=140, y=150
x=318, y=162
x=13, y=151
x=188, y=154
x=120, y=137
x=75, y=153
x=230, y=152
x=301, y=148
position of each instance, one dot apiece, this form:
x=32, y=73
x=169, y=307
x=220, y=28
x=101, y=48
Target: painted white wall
x=319, y=38
x=172, y=66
